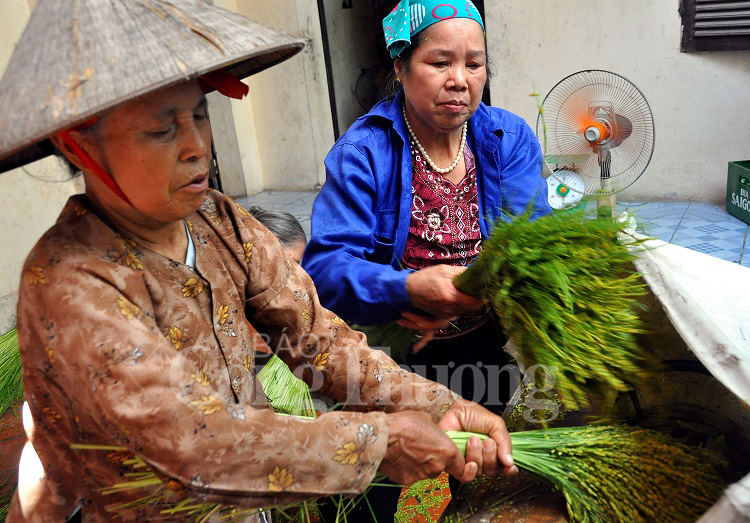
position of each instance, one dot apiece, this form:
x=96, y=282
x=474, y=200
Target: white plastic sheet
x=708, y=302
x=733, y=507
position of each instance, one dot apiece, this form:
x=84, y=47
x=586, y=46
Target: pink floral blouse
x=444, y=227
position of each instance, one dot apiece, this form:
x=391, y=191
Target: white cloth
x=708, y=302
x=733, y=507
x=190, y=255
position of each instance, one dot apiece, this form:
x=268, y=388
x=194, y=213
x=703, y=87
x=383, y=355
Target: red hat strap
x=89, y=162
x=224, y=82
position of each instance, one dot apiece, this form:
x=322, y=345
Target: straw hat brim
x=79, y=58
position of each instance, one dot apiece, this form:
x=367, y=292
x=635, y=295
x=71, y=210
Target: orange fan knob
x=595, y=132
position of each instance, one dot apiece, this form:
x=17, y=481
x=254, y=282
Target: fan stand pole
x=605, y=204
x=605, y=200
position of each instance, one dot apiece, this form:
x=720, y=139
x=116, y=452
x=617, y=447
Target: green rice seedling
x=11, y=387
x=567, y=291
x=286, y=393
x=606, y=473
x=618, y=474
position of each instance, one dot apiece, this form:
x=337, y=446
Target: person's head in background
x=286, y=228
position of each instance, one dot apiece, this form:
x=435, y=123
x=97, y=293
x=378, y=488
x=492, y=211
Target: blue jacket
x=360, y=219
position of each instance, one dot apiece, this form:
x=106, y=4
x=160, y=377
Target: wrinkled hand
x=431, y=289
x=492, y=453
x=418, y=449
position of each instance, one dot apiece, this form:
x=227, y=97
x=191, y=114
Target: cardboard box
x=738, y=190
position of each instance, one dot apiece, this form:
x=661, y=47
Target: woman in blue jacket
x=413, y=188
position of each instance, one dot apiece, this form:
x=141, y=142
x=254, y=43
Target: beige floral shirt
x=123, y=346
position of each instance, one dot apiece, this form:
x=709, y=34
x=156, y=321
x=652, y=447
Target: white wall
x=352, y=35
x=32, y=197
x=701, y=102
x=290, y=110
x=235, y=140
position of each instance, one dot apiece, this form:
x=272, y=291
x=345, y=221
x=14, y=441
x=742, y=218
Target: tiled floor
x=298, y=203
x=703, y=227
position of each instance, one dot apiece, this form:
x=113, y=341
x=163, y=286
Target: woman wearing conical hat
x=134, y=308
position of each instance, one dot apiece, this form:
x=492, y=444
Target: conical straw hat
x=78, y=58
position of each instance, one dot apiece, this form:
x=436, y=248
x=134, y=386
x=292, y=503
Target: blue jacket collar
x=390, y=109
x=486, y=130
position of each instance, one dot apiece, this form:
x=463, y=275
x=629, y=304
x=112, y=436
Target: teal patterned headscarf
x=412, y=16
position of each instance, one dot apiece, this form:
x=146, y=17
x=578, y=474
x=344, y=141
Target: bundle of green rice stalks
x=287, y=393
x=607, y=474
x=141, y=477
x=11, y=387
x=618, y=474
x=566, y=290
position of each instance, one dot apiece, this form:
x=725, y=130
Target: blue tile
x=666, y=221
x=651, y=210
x=708, y=231
x=718, y=243
x=710, y=228
x=725, y=250
x=665, y=234
x=662, y=228
x=722, y=239
x=709, y=212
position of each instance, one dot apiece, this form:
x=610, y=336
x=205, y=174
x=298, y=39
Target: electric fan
x=597, y=134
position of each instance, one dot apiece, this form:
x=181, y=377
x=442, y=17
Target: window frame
x=692, y=44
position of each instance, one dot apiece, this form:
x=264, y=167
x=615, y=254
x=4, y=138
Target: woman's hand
x=491, y=454
x=419, y=449
x=427, y=324
x=431, y=289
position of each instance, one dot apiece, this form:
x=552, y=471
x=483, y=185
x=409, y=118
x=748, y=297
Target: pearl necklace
x=426, y=156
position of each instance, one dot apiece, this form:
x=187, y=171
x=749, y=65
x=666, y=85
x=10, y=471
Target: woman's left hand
x=427, y=325
x=491, y=454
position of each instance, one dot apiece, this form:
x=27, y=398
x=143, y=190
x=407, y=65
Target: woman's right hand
x=418, y=449
x=431, y=290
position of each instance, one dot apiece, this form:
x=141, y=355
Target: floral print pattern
x=132, y=261
x=127, y=308
x=279, y=479
x=192, y=288
x=175, y=336
x=320, y=360
x=35, y=276
x=207, y=404
x=248, y=248
x=350, y=452
x=158, y=357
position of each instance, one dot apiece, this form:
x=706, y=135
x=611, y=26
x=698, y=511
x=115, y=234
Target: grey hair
x=283, y=224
